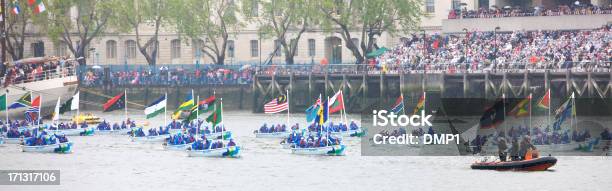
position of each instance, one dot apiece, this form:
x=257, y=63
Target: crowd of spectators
x=34, y=69
x=170, y=77
x=508, y=11
x=476, y=50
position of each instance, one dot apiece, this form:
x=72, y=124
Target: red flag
x=36, y=102
x=545, y=101
x=117, y=102
x=337, y=103
x=31, y=2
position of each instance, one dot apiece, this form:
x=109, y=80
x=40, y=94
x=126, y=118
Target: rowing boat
x=283, y=134
x=180, y=147
x=150, y=139
x=232, y=152
x=332, y=150
x=65, y=147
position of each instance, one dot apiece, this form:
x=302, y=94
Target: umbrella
x=97, y=67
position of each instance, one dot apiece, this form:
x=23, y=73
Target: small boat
x=150, y=139
x=283, y=134
x=226, y=135
x=65, y=147
x=350, y=133
x=536, y=164
x=89, y=118
x=75, y=132
x=116, y=132
x=232, y=152
x=180, y=147
x=332, y=150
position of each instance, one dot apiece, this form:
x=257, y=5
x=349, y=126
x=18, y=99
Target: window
x=230, y=48
x=38, y=49
x=196, y=48
x=456, y=4
x=111, y=49
x=311, y=47
x=277, y=49
x=254, y=9
x=175, y=52
x=294, y=43
x=61, y=49
x=254, y=48
x=130, y=49
x=430, y=6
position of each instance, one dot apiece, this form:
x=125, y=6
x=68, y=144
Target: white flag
x=57, y=110
x=75, y=102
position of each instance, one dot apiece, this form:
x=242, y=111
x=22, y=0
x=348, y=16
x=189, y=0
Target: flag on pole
x=337, y=103
x=117, y=102
x=493, y=116
x=155, y=108
x=23, y=101
x=31, y=2
x=420, y=105
x=216, y=117
x=16, y=9
x=278, y=104
x=545, y=101
x=3, y=102
x=186, y=105
x=522, y=108
x=32, y=113
x=312, y=111
x=70, y=105
x=56, y=111
x=566, y=110
x=206, y=105
x=40, y=7
x=322, y=114
x=398, y=107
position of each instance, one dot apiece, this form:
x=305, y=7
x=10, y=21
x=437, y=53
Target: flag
x=312, y=111
x=16, y=9
x=493, y=116
x=117, y=102
x=32, y=113
x=23, y=101
x=70, y=105
x=337, y=103
x=3, y=102
x=420, y=105
x=216, y=117
x=193, y=114
x=545, y=101
x=31, y=2
x=322, y=114
x=56, y=110
x=186, y=105
x=566, y=110
x=155, y=108
x=398, y=107
x=522, y=108
x=205, y=105
x=40, y=7
x=277, y=105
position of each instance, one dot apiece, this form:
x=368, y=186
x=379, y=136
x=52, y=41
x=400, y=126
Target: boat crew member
x=525, y=147
x=514, y=151
x=502, y=146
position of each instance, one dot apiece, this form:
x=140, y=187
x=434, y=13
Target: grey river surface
x=112, y=162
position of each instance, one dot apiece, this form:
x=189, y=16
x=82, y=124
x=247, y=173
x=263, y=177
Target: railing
x=59, y=72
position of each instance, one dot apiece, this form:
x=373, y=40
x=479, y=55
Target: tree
x=16, y=27
x=369, y=19
x=153, y=13
x=212, y=20
x=286, y=20
x=91, y=19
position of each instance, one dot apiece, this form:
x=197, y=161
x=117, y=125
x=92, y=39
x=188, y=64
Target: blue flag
x=311, y=113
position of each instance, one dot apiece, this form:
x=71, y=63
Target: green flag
x=3, y=102
x=215, y=118
x=193, y=114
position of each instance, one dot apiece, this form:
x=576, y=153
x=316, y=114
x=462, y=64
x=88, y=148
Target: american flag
x=277, y=105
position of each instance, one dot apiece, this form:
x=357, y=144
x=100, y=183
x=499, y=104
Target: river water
x=112, y=162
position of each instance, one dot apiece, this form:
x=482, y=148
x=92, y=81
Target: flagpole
x=504, y=114
x=573, y=114
x=197, y=105
x=403, y=105
x=327, y=114
x=125, y=106
x=31, y=123
x=288, y=106
x=222, y=127
x=530, y=110
x=424, y=101
x=549, y=98
x=166, y=109
x=39, y=111
x=79, y=107
x=6, y=107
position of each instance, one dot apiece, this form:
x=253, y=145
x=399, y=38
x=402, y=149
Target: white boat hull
x=150, y=139
x=233, y=151
x=68, y=132
x=177, y=147
x=115, y=132
x=55, y=148
x=64, y=87
x=272, y=135
x=328, y=150
x=13, y=140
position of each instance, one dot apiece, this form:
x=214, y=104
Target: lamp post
x=495, y=46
